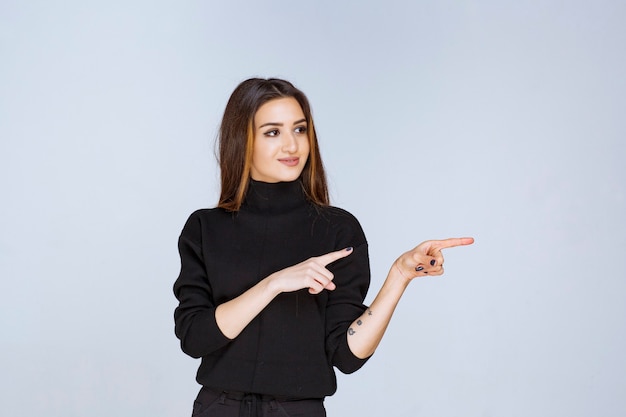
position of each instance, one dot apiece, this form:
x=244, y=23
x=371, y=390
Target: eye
x=300, y=129
x=273, y=132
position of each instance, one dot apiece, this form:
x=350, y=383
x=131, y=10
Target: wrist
x=398, y=275
x=271, y=286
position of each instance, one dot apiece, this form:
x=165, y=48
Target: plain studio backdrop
x=502, y=120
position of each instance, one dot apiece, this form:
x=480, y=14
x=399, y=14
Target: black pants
x=210, y=403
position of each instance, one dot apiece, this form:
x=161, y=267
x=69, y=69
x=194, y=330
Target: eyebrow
x=281, y=124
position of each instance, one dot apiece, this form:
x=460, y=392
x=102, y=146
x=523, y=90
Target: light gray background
x=502, y=120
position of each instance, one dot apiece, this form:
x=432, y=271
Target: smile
x=290, y=162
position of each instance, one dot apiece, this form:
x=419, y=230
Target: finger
x=437, y=259
x=427, y=261
x=333, y=256
x=319, y=272
x=436, y=272
x=452, y=242
x=317, y=275
x=318, y=288
x=421, y=271
x=320, y=284
x=324, y=281
x=315, y=289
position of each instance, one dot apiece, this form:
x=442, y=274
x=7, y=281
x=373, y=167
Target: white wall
x=500, y=120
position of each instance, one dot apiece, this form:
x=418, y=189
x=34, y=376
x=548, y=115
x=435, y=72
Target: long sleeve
x=293, y=345
x=345, y=303
x=194, y=317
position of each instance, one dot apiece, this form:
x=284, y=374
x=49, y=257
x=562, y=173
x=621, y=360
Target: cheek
x=306, y=148
x=261, y=151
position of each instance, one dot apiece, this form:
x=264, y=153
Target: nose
x=290, y=143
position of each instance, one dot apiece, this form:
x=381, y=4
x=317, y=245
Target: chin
x=289, y=178
x=284, y=175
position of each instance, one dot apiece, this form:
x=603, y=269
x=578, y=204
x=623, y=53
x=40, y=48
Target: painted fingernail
x=432, y=262
x=419, y=268
x=349, y=249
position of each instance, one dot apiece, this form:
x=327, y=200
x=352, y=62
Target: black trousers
x=211, y=403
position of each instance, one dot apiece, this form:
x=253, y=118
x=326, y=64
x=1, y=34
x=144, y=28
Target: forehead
x=280, y=110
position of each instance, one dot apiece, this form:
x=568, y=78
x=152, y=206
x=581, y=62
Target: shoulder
x=203, y=213
x=339, y=215
x=342, y=221
x=201, y=218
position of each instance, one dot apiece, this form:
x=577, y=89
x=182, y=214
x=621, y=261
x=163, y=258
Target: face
x=281, y=143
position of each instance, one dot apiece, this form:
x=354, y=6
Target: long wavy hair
x=236, y=140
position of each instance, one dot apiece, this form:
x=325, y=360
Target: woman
x=273, y=280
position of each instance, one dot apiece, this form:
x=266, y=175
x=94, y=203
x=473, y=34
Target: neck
x=274, y=197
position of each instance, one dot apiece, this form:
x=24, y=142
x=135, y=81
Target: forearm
x=366, y=332
x=233, y=316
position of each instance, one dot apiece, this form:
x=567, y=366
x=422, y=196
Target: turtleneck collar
x=275, y=197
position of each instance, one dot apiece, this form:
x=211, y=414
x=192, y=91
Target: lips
x=290, y=162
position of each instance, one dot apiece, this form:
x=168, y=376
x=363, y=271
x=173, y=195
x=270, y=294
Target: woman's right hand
x=311, y=274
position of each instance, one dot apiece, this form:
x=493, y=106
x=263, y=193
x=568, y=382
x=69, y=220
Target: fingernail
x=419, y=268
x=349, y=249
x=432, y=262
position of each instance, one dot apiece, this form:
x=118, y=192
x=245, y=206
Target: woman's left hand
x=426, y=259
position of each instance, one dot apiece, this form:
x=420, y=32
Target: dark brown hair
x=236, y=139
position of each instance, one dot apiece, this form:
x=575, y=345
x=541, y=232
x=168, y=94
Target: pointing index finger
x=331, y=257
x=452, y=242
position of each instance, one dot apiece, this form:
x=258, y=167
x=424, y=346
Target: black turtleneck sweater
x=290, y=348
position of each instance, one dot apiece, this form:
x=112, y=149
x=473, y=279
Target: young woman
x=272, y=281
